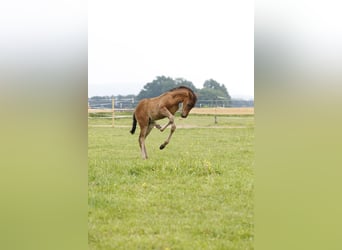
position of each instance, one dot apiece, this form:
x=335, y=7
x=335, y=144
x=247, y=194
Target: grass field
x=197, y=193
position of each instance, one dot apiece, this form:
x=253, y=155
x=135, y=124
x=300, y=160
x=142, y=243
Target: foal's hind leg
x=150, y=127
x=142, y=142
x=144, y=132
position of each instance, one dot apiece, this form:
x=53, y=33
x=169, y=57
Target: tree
x=155, y=88
x=186, y=83
x=212, y=84
x=213, y=93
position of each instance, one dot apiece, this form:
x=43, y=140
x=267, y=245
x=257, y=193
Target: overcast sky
x=131, y=42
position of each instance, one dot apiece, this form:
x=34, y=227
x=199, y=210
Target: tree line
x=212, y=94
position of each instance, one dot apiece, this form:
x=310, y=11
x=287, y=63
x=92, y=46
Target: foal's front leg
x=168, y=114
x=158, y=126
x=162, y=128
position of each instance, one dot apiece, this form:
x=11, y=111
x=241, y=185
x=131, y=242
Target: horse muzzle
x=184, y=115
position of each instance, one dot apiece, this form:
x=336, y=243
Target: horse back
x=149, y=108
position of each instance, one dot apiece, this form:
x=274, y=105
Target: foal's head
x=188, y=103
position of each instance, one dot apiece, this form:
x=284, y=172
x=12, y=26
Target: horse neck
x=179, y=96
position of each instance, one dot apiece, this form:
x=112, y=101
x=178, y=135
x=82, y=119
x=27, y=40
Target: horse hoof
x=162, y=146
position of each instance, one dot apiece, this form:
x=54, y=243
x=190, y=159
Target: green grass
x=197, y=193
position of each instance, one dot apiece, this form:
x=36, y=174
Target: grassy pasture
x=197, y=193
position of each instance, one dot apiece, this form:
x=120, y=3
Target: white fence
x=115, y=113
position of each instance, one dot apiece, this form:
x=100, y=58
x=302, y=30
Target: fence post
x=112, y=112
x=215, y=116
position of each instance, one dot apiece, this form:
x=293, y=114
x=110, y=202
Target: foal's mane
x=181, y=87
x=184, y=87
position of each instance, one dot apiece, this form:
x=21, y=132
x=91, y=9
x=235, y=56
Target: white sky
x=131, y=42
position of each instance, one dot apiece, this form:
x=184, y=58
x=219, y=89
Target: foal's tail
x=134, y=125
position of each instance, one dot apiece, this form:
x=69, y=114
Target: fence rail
x=223, y=111
x=106, y=103
x=115, y=113
x=201, y=111
x=92, y=110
